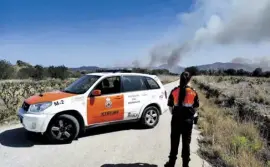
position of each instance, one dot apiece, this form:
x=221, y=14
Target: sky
x=112, y=32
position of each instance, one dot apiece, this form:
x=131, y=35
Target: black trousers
x=181, y=126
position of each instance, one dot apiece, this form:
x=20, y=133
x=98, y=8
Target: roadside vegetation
x=22, y=80
x=24, y=70
x=234, y=118
x=234, y=125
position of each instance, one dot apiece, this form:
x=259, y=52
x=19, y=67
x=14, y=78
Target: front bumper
x=34, y=122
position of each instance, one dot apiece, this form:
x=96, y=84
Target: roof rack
x=114, y=70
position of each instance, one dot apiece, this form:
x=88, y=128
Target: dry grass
x=227, y=141
x=248, y=98
x=13, y=92
x=252, y=90
x=168, y=78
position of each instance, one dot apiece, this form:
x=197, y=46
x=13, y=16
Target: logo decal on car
x=108, y=103
x=133, y=115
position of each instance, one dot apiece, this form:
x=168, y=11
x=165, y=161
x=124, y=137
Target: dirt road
x=115, y=146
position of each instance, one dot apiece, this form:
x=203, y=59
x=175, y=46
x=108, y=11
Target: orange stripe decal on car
x=103, y=109
x=47, y=97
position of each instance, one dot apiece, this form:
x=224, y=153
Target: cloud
x=222, y=22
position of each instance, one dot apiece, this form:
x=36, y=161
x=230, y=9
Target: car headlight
x=39, y=107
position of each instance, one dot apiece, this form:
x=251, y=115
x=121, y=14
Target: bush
x=23, y=64
x=7, y=70
x=192, y=70
x=25, y=73
x=257, y=72
x=60, y=72
x=12, y=93
x=227, y=141
x=38, y=72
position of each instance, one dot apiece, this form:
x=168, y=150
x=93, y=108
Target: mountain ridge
x=179, y=69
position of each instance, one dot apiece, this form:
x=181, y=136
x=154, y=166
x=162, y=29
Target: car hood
x=47, y=97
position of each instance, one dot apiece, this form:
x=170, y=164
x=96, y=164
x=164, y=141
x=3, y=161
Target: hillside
x=179, y=69
x=174, y=69
x=84, y=68
x=235, y=123
x=220, y=65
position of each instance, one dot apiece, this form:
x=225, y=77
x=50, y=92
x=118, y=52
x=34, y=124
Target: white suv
x=95, y=99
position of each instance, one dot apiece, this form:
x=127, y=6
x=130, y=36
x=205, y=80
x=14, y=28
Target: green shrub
x=7, y=70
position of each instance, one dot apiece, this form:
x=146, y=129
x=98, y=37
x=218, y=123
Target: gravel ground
x=114, y=146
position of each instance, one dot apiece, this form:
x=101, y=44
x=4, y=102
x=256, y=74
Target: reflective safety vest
x=189, y=98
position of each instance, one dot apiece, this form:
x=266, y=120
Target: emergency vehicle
x=95, y=99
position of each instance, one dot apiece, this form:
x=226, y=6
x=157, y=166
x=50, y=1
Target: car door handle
x=118, y=97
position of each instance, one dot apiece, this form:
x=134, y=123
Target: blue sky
x=96, y=32
x=83, y=32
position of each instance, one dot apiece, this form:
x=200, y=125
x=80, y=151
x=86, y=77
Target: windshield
x=81, y=85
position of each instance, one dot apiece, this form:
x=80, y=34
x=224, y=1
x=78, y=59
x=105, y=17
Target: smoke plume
x=242, y=60
x=262, y=62
x=229, y=22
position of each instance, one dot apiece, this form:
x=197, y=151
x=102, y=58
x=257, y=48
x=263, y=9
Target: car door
x=135, y=94
x=156, y=92
x=109, y=106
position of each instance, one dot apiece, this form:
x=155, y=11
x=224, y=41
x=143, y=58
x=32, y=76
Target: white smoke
x=260, y=61
x=227, y=22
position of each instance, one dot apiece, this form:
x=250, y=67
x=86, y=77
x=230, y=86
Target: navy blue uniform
x=183, y=111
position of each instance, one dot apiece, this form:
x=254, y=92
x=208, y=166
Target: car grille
x=25, y=106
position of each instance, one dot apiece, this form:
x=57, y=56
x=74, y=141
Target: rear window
x=152, y=83
x=133, y=83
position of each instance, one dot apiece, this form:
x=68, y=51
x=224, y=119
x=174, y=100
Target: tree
x=192, y=70
x=204, y=72
x=257, y=72
x=160, y=71
x=58, y=72
x=25, y=73
x=220, y=72
x=140, y=70
x=242, y=72
x=267, y=74
x=230, y=71
x=6, y=70
x=76, y=74
x=38, y=72
x=22, y=64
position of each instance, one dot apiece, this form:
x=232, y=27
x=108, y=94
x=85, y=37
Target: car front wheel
x=63, y=129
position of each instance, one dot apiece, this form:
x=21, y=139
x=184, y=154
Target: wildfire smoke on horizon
x=237, y=22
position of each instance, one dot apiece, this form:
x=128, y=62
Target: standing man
x=182, y=103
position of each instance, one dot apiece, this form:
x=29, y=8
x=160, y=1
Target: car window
x=82, y=84
x=152, y=83
x=133, y=83
x=109, y=85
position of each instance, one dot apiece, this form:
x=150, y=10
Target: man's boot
x=170, y=163
x=185, y=162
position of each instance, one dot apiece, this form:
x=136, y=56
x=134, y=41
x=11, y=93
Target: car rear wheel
x=63, y=129
x=150, y=117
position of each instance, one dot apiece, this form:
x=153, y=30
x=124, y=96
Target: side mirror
x=96, y=92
